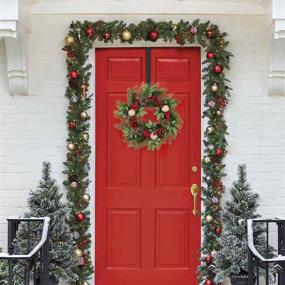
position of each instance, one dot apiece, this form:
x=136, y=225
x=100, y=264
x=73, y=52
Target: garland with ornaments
x=78, y=43
x=139, y=131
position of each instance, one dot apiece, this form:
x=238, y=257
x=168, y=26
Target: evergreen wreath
x=139, y=132
x=78, y=43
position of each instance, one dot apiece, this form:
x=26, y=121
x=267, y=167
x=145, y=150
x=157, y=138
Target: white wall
x=33, y=127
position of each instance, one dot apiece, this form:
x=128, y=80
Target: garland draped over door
x=78, y=43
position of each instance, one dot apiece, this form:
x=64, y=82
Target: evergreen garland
x=78, y=43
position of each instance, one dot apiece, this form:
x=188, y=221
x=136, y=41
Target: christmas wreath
x=140, y=131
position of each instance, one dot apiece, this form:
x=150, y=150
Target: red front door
x=146, y=233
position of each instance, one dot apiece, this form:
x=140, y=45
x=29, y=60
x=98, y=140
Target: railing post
x=250, y=268
x=12, y=229
x=281, y=250
x=45, y=260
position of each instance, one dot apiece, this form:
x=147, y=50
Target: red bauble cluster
x=218, y=185
x=218, y=69
x=89, y=32
x=210, y=55
x=73, y=74
x=210, y=33
x=71, y=125
x=107, y=36
x=218, y=231
x=153, y=36
x=80, y=217
x=221, y=102
x=180, y=40
x=209, y=282
x=208, y=259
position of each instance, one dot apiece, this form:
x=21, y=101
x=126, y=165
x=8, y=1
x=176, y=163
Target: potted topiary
x=232, y=261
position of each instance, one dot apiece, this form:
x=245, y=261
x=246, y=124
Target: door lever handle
x=194, y=191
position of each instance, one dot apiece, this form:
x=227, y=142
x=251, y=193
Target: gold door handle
x=194, y=191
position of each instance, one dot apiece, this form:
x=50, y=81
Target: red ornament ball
x=209, y=282
x=218, y=231
x=210, y=33
x=218, y=69
x=80, y=217
x=73, y=74
x=106, y=36
x=89, y=32
x=71, y=125
x=153, y=36
x=219, y=152
x=208, y=259
x=210, y=55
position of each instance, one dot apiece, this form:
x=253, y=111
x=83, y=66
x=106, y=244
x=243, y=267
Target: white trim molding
x=277, y=49
x=16, y=37
x=149, y=7
x=16, y=66
x=8, y=18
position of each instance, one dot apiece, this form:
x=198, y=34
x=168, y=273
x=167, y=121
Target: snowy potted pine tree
x=46, y=202
x=231, y=260
x=3, y=271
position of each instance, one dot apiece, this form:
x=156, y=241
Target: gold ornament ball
x=70, y=146
x=219, y=113
x=69, y=40
x=214, y=88
x=83, y=115
x=85, y=136
x=207, y=159
x=85, y=283
x=78, y=252
x=126, y=35
x=209, y=219
x=210, y=130
x=86, y=198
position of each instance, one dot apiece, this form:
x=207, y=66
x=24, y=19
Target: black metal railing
x=36, y=263
x=270, y=268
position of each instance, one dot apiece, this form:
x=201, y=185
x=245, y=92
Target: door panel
x=146, y=233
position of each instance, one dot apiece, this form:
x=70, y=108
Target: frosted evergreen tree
x=232, y=258
x=46, y=202
x=3, y=271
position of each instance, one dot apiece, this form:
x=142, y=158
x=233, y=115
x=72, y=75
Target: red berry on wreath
x=73, y=74
x=210, y=55
x=134, y=124
x=209, y=282
x=71, y=125
x=167, y=115
x=135, y=106
x=219, y=152
x=218, y=68
x=106, y=36
x=208, y=259
x=160, y=132
x=210, y=33
x=146, y=133
x=89, y=32
x=80, y=217
x=218, y=231
x=153, y=36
